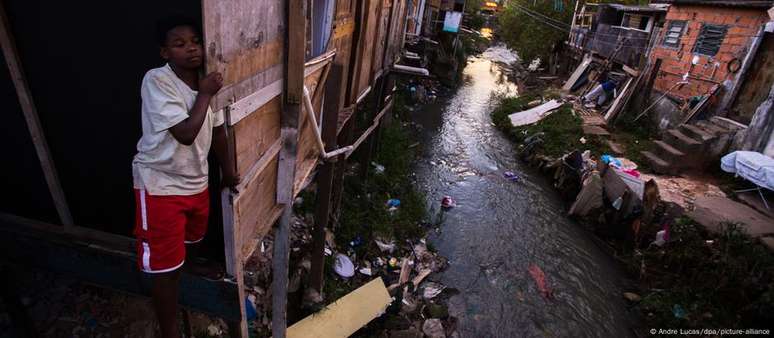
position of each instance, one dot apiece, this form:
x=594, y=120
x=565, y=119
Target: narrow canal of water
x=501, y=228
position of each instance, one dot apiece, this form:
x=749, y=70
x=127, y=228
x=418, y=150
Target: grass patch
x=718, y=280
x=562, y=130
x=364, y=213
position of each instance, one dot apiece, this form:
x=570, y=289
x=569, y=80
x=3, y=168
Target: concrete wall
x=743, y=24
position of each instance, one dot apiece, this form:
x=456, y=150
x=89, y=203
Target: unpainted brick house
x=723, y=43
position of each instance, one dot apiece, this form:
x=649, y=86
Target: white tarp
x=534, y=115
x=752, y=166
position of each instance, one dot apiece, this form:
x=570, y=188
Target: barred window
x=710, y=39
x=674, y=33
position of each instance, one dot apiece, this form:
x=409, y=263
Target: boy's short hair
x=168, y=23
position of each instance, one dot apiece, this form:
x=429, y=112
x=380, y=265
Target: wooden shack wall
x=368, y=31
x=381, y=38
x=244, y=40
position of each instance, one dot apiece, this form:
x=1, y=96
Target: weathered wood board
x=381, y=37
x=368, y=32
x=243, y=41
x=346, y=315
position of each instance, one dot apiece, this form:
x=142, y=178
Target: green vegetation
x=532, y=28
x=717, y=280
x=364, y=213
x=531, y=35
x=561, y=130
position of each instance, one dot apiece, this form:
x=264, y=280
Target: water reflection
x=500, y=228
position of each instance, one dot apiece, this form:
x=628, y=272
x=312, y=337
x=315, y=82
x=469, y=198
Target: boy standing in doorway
x=170, y=169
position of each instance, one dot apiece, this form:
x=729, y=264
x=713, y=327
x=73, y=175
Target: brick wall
x=743, y=24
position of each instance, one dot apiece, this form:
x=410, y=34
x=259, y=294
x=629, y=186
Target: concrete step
x=727, y=123
x=658, y=165
x=669, y=154
x=711, y=127
x=682, y=142
x=696, y=133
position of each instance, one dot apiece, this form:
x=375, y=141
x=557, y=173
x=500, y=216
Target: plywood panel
x=368, y=32
x=255, y=204
x=242, y=39
x=308, y=151
x=254, y=134
x=397, y=27
x=381, y=37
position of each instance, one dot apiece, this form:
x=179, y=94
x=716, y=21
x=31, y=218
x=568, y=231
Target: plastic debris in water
x=378, y=168
x=250, y=311
x=357, y=241
x=344, y=266
x=540, y=279
x=385, y=246
x=511, y=176
x=447, y=202
x=393, y=203
x=678, y=311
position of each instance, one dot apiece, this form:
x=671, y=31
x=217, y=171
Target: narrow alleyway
x=501, y=228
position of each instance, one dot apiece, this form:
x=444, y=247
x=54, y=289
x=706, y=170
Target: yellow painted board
x=346, y=315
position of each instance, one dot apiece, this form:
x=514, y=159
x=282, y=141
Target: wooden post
x=651, y=80
x=730, y=95
x=367, y=152
x=333, y=103
x=295, y=43
x=231, y=240
x=33, y=121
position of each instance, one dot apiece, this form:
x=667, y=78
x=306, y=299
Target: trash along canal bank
x=688, y=267
x=518, y=265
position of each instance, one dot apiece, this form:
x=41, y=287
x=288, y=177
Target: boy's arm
x=186, y=131
x=220, y=146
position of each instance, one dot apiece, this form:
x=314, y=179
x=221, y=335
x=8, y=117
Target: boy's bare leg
x=165, y=292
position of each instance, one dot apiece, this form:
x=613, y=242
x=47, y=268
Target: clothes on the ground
x=164, y=225
x=164, y=166
x=608, y=86
x=601, y=92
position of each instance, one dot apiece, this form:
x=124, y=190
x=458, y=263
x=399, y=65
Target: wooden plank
x=30, y=111
x=254, y=100
x=242, y=40
x=294, y=70
x=346, y=315
x=103, y=259
x=577, y=73
x=630, y=71
x=370, y=129
x=254, y=205
x=371, y=24
x=617, y=103
x=256, y=133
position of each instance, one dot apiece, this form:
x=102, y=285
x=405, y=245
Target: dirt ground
x=64, y=307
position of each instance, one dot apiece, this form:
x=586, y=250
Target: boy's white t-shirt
x=164, y=166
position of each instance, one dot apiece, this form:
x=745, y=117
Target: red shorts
x=164, y=224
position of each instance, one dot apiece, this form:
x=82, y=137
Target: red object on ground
x=448, y=202
x=540, y=279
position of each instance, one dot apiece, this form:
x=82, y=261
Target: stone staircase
x=692, y=146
